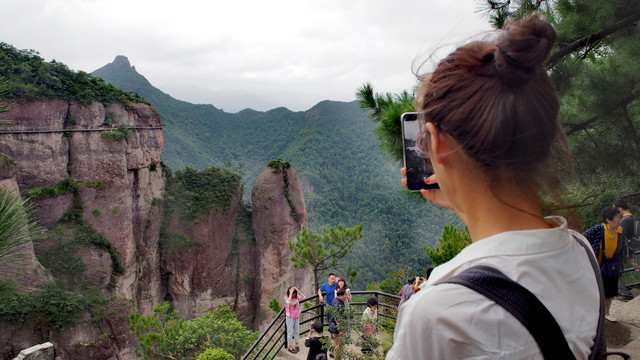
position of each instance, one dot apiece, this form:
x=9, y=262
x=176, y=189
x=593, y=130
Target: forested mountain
x=347, y=180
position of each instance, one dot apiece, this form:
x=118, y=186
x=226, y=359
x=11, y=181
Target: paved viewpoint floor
x=623, y=335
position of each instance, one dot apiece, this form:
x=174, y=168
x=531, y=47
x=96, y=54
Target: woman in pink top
x=292, y=308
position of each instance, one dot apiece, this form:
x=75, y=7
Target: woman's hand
x=436, y=196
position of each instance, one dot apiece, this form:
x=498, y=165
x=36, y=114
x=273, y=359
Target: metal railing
x=274, y=338
x=633, y=268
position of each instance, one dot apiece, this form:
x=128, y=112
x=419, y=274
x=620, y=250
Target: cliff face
x=230, y=263
x=216, y=269
x=277, y=218
x=237, y=258
x=55, y=140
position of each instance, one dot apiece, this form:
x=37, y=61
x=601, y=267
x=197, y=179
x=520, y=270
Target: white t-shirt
x=450, y=321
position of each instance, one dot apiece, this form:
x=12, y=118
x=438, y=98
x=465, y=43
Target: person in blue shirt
x=329, y=288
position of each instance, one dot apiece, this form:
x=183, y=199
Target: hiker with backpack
x=629, y=224
x=631, y=230
x=488, y=120
x=610, y=246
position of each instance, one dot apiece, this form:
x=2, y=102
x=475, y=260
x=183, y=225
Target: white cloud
x=301, y=52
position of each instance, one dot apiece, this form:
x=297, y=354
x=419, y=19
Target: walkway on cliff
x=48, y=131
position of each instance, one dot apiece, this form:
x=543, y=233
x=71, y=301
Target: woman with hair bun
x=488, y=118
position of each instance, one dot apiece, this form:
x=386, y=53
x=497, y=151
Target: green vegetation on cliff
x=190, y=196
x=29, y=77
x=193, y=194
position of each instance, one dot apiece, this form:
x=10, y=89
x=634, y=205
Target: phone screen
x=418, y=168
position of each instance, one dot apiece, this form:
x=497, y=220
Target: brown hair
x=497, y=101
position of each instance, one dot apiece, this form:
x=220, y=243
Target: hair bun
x=523, y=46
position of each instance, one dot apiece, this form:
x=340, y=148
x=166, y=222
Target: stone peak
x=122, y=61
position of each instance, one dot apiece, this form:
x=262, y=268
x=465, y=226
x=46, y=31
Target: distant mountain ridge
x=346, y=179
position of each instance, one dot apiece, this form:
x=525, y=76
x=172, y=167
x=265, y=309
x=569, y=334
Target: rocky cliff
x=277, y=216
x=94, y=173
x=112, y=174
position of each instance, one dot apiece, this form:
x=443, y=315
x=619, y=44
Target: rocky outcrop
x=226, y=265
x=277, y=218
x=38, y=352
x=210, y=272
x=118, y=178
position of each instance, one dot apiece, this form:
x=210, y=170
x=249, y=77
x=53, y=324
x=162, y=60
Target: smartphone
x=418, y=169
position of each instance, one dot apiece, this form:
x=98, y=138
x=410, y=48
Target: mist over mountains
x=234, y=101
x=346, y=179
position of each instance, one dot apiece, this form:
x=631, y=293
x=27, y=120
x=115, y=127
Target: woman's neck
x=488, y=214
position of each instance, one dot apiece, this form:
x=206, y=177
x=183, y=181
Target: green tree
x=4, y=88
x=157, y=334
x=385, y=110
x=597, y=76
x=275, y=305
x=164, y=335
x=219, y=328
x=450, y=243
x=215, y=354
x=392, y=284
x=324, y=251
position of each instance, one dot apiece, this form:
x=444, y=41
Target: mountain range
x=346, y=178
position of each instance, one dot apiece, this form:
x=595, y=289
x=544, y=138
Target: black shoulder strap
x=600, y=342
x=522, y=304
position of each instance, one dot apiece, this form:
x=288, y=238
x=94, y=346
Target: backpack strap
x=520, y=303
x=599, y=342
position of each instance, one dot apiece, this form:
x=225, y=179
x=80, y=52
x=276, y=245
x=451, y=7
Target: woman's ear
x=438, y=144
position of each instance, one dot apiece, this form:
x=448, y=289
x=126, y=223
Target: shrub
x=52, y=307
x=117, y=135
x=197, y=193
x=215, y=354
x=275, y=305
x=450, y=243
x=165, y=335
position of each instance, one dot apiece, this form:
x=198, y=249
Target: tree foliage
x=29, y=77
x=385, y=110
x=450, y=244
x=215, y=354
x=164, y=335
x=596, y=73
x=392, y=284
x=323, y=251
x=193, y=194
x=51, y=307
x=4, y=88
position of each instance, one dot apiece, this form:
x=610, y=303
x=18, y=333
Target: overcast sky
x=247, y=53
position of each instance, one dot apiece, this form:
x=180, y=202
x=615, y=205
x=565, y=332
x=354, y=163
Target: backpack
x=634, y=242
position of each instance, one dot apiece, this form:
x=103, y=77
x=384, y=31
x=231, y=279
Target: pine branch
x=573, y=128
x=591, y=39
